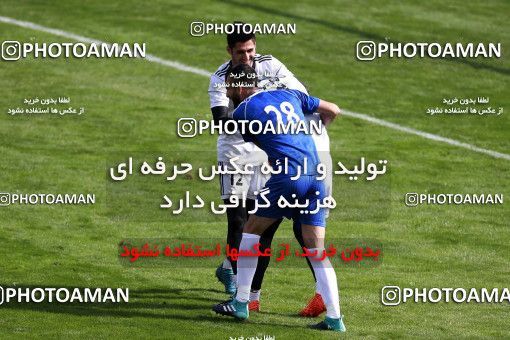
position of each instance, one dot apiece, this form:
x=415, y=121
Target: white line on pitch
x=80, y=38
x=186, y=68
x=426, y=134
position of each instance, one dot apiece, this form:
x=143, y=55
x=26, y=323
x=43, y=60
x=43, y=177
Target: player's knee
x=257, y=225
x=236, y=219
x=313, y=236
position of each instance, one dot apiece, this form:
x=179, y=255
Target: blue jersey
x=282, y=107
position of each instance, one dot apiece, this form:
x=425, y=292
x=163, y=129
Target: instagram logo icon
x=390, y=295
x=11, y=50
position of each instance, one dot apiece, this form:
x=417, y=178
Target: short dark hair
x=244, y=74
x=238, y=35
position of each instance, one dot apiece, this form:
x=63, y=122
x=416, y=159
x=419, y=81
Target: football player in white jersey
x=272, y=74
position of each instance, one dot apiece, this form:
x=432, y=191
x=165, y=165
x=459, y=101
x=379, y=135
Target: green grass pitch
x=132, y=107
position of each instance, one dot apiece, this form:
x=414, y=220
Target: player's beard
x=236, y=99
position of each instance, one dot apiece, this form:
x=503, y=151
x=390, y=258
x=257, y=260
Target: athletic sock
x=255, y=295
x=226, y=264
x=326, y=283
x=246, y=266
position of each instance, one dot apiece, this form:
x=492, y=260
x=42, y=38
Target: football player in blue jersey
x=271, y=73
x=287, y=107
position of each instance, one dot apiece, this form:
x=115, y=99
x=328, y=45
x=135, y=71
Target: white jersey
x=271, y=74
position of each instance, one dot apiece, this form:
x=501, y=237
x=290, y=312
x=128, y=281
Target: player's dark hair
x=244, y=74
x=238, y=35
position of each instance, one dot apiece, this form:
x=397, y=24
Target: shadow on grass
x=172, y=304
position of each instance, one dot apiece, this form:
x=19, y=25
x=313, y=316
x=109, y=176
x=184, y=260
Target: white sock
x=255, y=295
x=246, y=266
x=226, y=264
x=326, y=283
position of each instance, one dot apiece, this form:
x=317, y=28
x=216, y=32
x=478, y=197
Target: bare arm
x=328, y=111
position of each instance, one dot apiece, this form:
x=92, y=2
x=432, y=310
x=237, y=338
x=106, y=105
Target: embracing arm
x=220, y=114
x=328, y=111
